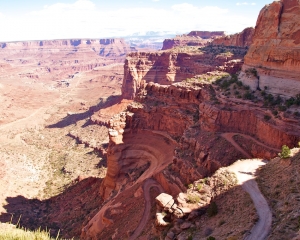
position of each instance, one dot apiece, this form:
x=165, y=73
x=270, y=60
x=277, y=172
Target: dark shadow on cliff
x=66, y=212
x=74, y=118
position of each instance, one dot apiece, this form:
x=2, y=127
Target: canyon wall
x=275, y=51
x=181, y=41
x=194, y=38
x=242, y=39
x=61, y=59
x=103, y=47
x=187, y=112
x=175, y=132
x=206, y=34
x=166, y=67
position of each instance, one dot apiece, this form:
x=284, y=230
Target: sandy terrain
x=38, y=158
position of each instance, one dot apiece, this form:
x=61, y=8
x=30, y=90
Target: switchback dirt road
x=245, y=172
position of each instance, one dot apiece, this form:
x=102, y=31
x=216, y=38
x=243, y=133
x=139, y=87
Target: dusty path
x=229, y=138
x=148, y=184
x=245, y=172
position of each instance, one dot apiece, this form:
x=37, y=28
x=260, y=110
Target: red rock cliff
x=104, y=47
x=207, y=34
x=194, y=38
x=275, y=51
x=165, y=67
x=242, y=39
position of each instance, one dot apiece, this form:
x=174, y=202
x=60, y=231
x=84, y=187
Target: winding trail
x=148, y=184
x=229, y=137
x=245, y=172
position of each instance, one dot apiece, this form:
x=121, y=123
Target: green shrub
x=212, y=209
x=248, y=95
x=210, y=238
x=199, y=186
x=285, y=152
x=275, y=112
x=282, y=108
x=192, y=198
x=289, y=102
x=267, y=117
x=239, y=83
x=251, y=71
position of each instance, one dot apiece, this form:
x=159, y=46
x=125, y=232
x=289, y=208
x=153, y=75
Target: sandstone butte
x=274, y=54
x=242, y=39
x=180, y=128
x=194, y=38
x=175, y=65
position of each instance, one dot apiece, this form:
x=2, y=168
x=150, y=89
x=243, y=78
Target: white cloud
x=155, y=0
x=83, y=20
x=245, y=3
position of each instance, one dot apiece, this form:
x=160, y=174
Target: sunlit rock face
x=275, y=51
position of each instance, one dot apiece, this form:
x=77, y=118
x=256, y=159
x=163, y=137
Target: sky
x=65, y=19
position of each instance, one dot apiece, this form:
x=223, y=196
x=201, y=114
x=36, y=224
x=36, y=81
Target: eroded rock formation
x=61, y=59
x=103, y=47
x=176, y=132
x=194, y=38
x=275, y=51
x=165, y=67
x=242, y=39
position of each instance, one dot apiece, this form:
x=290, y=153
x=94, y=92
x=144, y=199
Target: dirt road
x=245, y=172
x=148, y=184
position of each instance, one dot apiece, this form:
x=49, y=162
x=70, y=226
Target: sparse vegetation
x=267, y=117
x=13, y=233
x=212, y=209
x=285, y=152
x=193, y=198
x=251, y=72
x=210, y=238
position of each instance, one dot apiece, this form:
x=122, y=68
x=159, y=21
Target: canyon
x=108, y=142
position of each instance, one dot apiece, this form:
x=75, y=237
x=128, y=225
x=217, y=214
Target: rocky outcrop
x=134, y=156
x=206, y=34
x=166, y=67
x=140, y=138
x=247, y=121
x=194, y=38
x=181, y=41
x=242, y=39
x=275, y=51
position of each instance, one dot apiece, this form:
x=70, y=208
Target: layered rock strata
x=206, y=34
x=194, y=38
x=165, y=67
x=242, y=39
x=103, y=47
x=274, y=55
x=173, y=110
